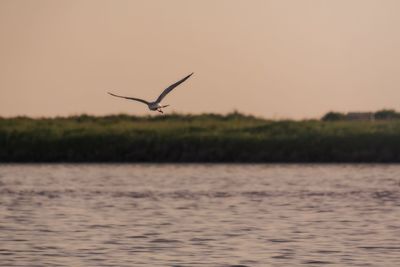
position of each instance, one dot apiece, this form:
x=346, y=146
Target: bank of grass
x=196, y=138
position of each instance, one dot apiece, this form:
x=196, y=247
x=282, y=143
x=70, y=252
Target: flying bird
x=156, y=105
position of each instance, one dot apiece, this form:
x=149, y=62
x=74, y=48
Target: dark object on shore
x=334, y=116
x=384, y=114
x=196, y=138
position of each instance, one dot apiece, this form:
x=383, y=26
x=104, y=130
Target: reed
x=196, y=138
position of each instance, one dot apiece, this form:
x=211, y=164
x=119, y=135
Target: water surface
x=199, y=215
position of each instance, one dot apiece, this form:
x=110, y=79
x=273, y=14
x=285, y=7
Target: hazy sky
x=272, y=58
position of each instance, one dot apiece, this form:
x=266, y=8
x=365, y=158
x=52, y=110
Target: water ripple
x=199, y=215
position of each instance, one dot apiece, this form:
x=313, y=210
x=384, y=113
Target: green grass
x=196, y=138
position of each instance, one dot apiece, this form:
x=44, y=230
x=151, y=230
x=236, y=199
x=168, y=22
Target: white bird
x=155, y=105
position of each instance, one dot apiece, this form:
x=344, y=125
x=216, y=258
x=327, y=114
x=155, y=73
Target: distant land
x=384, y=114
x=200, y=138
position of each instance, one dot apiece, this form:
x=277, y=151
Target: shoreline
x=207, y=138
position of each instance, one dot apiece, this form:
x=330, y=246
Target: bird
x=156, y=105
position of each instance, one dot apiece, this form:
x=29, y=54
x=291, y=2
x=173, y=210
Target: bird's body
x=156, y=105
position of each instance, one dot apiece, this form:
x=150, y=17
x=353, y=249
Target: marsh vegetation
x=196, y=138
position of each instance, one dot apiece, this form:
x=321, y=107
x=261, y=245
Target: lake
x=199, y=215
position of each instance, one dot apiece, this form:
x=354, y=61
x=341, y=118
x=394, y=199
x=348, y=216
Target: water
x=199, y=215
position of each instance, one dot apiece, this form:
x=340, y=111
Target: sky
x=271, y=58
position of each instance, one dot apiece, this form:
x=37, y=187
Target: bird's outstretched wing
x=171, y=87
x=130, y=98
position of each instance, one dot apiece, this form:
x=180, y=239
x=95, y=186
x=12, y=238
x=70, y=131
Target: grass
x=196, y=138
